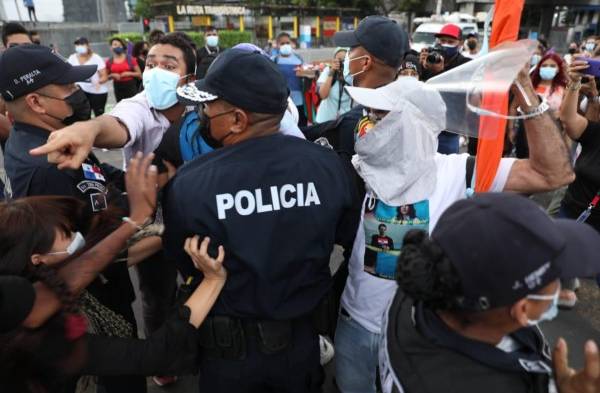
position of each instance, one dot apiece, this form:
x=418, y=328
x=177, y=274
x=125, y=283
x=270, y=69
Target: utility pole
x=438, y=8
x=18, y=10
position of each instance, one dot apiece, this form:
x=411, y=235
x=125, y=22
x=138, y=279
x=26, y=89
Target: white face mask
x=550, y=313
x=76, y=244
x=348, y=77
x=81, y=49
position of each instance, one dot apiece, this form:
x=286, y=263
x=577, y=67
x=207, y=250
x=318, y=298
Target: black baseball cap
x=246, y=79
x=16, y=301
x=506, y=247
x=81, y=41
x=27, y=68
x=380, y=36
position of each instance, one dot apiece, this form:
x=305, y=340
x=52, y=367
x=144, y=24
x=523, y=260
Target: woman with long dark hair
x=54, y=341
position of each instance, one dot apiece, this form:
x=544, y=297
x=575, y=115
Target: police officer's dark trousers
x=295, y=369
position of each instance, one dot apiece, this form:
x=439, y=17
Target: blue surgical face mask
x=548, y=73
x=450, y=50
x=550, y=313
x=160, y=87
x=285, y=49
x=212, y=41
x=535, y=59
x=590, y=46
x=119, y=50
x=76, y=244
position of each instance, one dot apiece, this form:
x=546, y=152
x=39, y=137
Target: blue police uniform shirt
x=31, y=175
x=276, y=204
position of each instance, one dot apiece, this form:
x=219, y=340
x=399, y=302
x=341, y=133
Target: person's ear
x=241, y=121
x=32, y=100
x=37, y=259
x=519, y=311
x=368, y=63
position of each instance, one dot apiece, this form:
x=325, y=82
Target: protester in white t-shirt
x=95, y=88
x=138, y=123
x=405, y=177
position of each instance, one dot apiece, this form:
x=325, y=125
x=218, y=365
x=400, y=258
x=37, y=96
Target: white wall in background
x=46, y=10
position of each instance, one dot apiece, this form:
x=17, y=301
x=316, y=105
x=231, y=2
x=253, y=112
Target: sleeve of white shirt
x=135, y=114
x=502, y=174
x=101, y=64
x=323, y=76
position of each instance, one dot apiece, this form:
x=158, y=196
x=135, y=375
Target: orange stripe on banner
x=506, y=21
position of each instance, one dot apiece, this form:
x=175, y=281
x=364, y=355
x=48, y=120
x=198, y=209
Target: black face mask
x=572, y=51
x=204, y=129
x=79, y=103
x=471, y=45
x=119, y=50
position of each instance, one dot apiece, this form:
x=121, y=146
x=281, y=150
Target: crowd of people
x=229, y=205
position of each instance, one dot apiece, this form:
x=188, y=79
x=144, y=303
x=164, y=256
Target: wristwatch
x=535, y=111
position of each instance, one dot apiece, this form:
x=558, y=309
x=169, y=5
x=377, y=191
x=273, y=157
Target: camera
x=435, y=55
x=339, y=75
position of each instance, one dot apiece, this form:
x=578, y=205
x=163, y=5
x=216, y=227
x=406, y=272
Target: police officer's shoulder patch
x=87, y=185
x=98, y=201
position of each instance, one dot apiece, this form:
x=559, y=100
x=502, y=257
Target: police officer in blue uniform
x=40, y=92
x=275, y=203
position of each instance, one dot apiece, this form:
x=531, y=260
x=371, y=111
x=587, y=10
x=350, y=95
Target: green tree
x=389, y=6
x=144, y=8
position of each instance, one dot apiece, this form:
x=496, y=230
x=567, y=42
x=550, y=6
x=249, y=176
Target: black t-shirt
x=587, y=182
x=275, y=203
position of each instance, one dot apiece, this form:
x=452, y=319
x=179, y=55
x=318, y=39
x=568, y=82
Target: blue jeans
x=356, y=357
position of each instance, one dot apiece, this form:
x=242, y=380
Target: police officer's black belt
x=229, y=338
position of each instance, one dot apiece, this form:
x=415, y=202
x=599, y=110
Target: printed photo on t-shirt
x=385, y=227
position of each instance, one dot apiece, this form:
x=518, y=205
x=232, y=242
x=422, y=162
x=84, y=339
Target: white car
x=424, y=36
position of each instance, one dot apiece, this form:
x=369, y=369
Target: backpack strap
x=130, y=62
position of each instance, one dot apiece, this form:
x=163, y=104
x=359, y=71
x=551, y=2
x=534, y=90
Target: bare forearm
x=80, y=272
x=548, y=153
x=202, y=300
x=143, y=249
x=325, y=88
x=593, y=110
x=110, y=133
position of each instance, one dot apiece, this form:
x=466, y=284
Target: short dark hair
x=120, y=40
x=209, y=28
x=33, y=32
x=12, y=28
x=283, y=34
x=382, y=225
x=138, y=48
x=183, y=42
x=155, y=35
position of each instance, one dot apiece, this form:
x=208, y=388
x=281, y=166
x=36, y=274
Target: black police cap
x=380, y=36
x=16, y=301
x=247, y=80
x=27, y=68
x=506, y=247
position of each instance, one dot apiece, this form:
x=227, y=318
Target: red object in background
x=329, y=26
x=311, y=101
